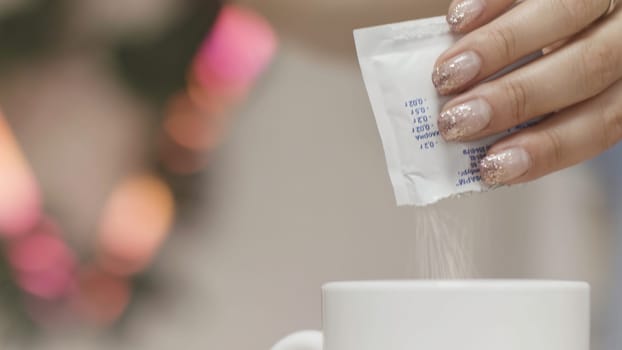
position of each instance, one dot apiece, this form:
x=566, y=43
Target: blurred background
x=185, y=173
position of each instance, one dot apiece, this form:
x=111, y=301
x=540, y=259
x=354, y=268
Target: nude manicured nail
x=505, y=166
x=464, y=120
x=456, y=72
x=463, y=13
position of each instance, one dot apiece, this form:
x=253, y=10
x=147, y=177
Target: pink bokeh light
x=239, y=48
x=43, y=264
x=49, y=284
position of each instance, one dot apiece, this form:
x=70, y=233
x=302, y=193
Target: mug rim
x=457, y=284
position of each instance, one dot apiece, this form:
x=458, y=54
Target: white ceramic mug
x=451, y=315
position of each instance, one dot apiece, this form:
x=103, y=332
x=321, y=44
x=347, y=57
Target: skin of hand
x=577, y=83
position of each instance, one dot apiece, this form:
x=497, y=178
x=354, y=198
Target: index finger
x=521, y=31
x=466, y=15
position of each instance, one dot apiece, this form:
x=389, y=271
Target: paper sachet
x=397, y=61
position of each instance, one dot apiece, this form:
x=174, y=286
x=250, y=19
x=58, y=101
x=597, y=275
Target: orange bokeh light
x=213, y=97
x=101, y=297
x=135, y=222
x=20, y=201
x=180, y=160
x=191, y=127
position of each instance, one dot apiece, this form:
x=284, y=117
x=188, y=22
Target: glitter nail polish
x=456, y=72
x=464, y=120
x=505, y=166
x=463, y=13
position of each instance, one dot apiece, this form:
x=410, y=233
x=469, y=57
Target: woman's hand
x=579, y=80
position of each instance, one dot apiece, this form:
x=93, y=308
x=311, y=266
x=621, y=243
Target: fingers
x=581, y=70
x=525, y=29
x=565, y=139
x=466, y=15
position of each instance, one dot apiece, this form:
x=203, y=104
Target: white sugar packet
x=397, y=61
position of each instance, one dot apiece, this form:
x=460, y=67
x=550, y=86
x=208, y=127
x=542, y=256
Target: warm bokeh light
x=20, y=202
x=101, y=297
x=239, y=48
x=42, y=262
x=191, y=127
x=213, y=97
x=134, y=223
x=214, y=94
x=180, y=160
x=49, y=284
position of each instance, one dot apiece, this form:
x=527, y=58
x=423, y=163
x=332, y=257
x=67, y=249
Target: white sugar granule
x=443, y=247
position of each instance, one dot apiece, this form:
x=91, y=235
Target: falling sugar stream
x=443, y=247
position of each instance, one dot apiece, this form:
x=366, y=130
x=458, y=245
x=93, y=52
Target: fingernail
x=463, y=13
x=456, y=72
x=505, y=166
x=464, y=120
